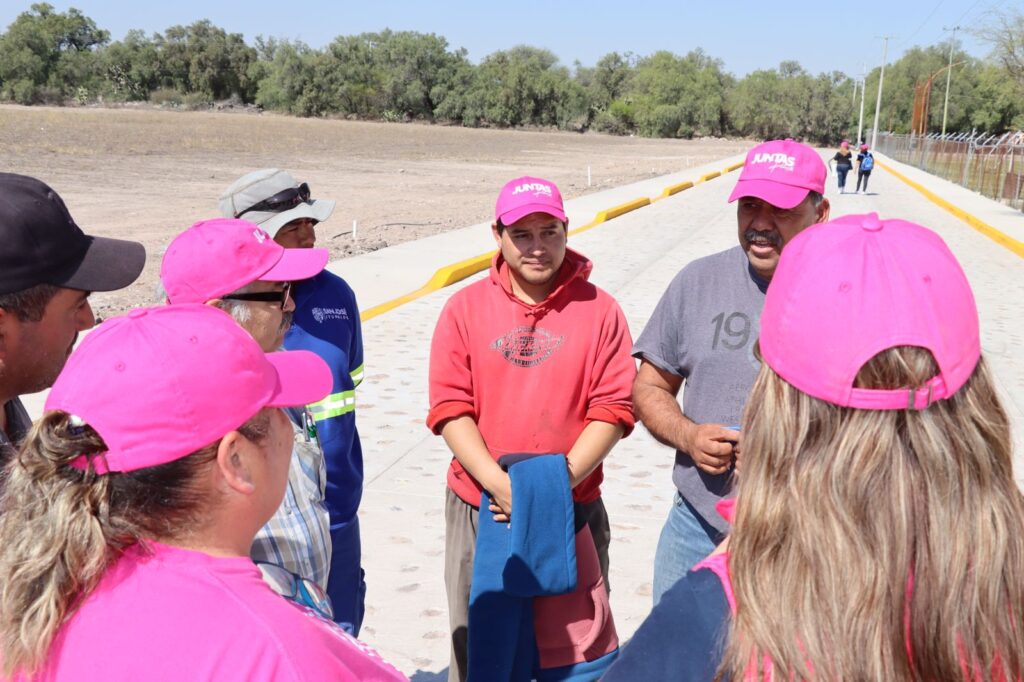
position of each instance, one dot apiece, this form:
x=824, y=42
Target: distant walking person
x=844, y=162
x=865, y=162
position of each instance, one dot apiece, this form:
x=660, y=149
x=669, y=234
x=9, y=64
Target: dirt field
x=148, y=174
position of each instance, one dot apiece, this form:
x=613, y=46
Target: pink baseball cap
x=781, y=172
x=160, y=383
x=216, y=257
x=523, y=196
x=849, y=289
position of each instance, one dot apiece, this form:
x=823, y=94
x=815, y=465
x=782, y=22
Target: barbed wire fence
x=992, y=165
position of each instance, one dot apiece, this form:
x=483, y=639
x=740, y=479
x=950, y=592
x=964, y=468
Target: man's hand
x=501, y=498
x=711, y=446
x=463, y=438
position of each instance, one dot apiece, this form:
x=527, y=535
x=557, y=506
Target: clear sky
x=822, y=35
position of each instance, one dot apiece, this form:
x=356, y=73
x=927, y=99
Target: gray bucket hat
x=259, y=186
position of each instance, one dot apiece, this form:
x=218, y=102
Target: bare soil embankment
x=148, y=174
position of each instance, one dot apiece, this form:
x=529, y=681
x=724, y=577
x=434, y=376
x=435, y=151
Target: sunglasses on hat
x=282, y=201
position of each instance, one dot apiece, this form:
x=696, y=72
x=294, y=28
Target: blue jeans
x=346, y=584
x=841, y=172
x=686, y=539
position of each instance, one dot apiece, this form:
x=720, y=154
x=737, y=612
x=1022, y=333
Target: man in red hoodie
x=533, y=359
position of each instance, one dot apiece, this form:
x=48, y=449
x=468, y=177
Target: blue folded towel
x=542, y=547
x=534, y=555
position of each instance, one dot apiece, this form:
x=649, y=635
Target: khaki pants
x=461, y=522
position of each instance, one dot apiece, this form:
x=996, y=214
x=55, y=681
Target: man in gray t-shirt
x=702, y=333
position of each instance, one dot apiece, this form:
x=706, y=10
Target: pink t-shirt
x=176, y=614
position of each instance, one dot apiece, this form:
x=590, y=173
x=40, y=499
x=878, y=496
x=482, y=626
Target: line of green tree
x=50, y=57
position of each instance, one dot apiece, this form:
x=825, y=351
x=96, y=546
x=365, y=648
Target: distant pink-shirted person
x=131, y=507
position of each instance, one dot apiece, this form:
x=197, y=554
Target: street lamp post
x=860, y=121
x=949, y=74
x=881, y=79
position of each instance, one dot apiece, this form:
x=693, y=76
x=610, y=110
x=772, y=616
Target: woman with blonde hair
x=878, y=531
x=129, y=511
x=843, y=161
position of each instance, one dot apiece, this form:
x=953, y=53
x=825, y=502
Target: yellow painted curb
x=978, y=224
x=445, y=276
x=450, y=274
x=616, y=211
x=676, y=188
x=583, y=228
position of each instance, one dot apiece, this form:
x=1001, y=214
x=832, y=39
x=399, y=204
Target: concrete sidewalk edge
x=975, y=222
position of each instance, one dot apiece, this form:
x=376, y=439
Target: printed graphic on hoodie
x=527, y=346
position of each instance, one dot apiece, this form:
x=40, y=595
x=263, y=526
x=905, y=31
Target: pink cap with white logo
x=216, y=257
x=846, y=290
x=523, y=196
x=781, y=172
x=160, y=383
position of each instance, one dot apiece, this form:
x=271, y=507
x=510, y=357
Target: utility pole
x=881, y=79
x=863, y=84
x=949, y=74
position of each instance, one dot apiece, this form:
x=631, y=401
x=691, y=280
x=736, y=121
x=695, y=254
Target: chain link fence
x=992, y=165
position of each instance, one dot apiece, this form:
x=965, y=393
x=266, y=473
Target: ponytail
x=62, y=527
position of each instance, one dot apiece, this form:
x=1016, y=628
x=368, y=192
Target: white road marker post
x=588, y=176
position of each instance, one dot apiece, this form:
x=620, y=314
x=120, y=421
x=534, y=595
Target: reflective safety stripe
x=334, y=405
x=357, y=375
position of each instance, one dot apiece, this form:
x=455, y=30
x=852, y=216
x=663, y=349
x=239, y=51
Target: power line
x=976, y=3
x=927, y=19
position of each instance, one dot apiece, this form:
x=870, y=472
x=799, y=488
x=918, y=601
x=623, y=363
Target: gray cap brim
x=319, y=210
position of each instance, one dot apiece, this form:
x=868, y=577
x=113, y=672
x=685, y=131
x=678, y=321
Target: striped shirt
x=298, y=536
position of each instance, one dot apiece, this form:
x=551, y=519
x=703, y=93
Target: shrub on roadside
x=617, y=119
x=166, y=97
x=196, y=101
x=664, y=120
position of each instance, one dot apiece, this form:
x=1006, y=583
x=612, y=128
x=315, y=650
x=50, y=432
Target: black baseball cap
x=41, y=244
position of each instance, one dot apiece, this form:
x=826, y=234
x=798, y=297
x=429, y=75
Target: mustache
x=773, y=238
